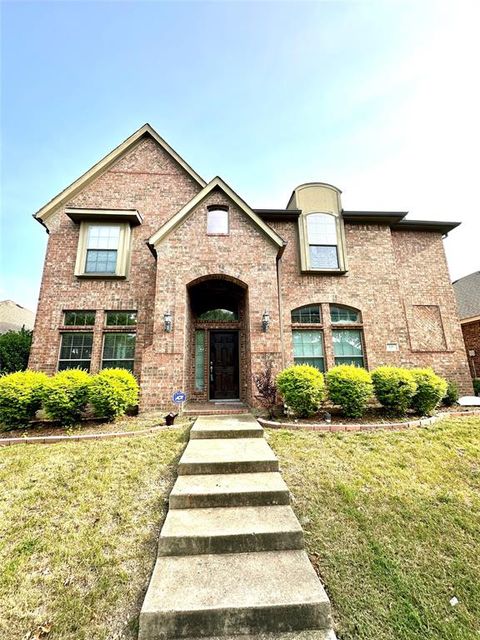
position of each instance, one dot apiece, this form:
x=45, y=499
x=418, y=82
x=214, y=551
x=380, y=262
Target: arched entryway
x=218, y=336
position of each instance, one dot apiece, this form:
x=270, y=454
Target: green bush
x=302, y=388
x=66, y=394
x=430, y=391
x=452, y=394
x=476, y=386
x=21, y=396
x=15, y=350
x=394, y=388
x=112, y=392
x=351, y=388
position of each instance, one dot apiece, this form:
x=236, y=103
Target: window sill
x=324, y=272
x=100, y=276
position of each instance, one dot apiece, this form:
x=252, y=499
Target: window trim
x=123, y=251
x=305, y=262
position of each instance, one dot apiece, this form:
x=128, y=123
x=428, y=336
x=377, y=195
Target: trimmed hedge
x=430, y=391
x=451, y=396
x=394, y=388
x=302, y=388
x=21, y=396
x=351, y=388
x=112, y=392
x=476, y=386
x=66, y=395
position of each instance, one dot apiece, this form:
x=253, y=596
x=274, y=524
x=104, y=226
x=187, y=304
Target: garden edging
x=371, y=426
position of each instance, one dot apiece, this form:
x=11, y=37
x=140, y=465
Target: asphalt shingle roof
x=467, y=291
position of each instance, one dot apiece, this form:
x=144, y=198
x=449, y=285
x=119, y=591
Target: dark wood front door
x=224, y=367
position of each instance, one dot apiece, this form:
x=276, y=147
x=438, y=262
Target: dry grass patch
x=78, y=531
x=392, y=523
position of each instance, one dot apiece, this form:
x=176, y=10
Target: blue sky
x=378, y=98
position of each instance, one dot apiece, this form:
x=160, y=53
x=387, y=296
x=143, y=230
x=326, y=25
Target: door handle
x=211, y=371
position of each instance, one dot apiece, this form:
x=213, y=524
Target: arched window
x=310, y=314
x=217, y=221
x=347, y=341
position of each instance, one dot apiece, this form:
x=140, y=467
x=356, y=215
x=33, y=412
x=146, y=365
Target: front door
x=224, y=379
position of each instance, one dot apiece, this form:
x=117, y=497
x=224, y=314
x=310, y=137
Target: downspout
x=280, y=302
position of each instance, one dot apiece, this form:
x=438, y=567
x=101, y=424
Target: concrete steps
x=222, y=455
x=227, y=530
x=231, y=564
x=228, y=490
x=239, y=426
x=234, y=593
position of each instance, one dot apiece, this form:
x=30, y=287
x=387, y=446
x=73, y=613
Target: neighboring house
x=13, y=317
x=148, y=267
x=467, y=291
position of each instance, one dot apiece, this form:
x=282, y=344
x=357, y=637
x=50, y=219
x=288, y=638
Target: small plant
x=21, y=396
x=476, y=386
x=351, y=388
x=302, y=388
x=112, y=392
x=266, y=387
x=430, y=391
x=66, y=394
x=452, y=394
x=394, y=388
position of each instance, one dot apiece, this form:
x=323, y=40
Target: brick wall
x=471, y=336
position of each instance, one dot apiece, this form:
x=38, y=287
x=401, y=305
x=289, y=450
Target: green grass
x=79, y=524
x=392, y=523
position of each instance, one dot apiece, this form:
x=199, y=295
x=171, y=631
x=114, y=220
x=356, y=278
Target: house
x=467, y=291
x=151, y=268
x=14, y=317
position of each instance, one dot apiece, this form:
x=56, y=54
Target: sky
x=380, y=98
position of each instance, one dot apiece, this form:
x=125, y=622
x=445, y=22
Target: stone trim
x=371, y=426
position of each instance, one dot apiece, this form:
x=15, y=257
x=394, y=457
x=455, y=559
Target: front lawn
x=392, y=523
x=79, y=524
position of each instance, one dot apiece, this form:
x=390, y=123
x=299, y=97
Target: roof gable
x=105, y=163
x=217, y=182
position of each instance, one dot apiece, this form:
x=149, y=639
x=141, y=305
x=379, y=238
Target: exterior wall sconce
x=265, y=321
x=167, y=322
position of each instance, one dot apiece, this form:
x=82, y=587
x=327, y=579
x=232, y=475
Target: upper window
x=120, y=318
x=103, y=249
x=322, y=241
x=79, y=318
x=344, y=315
x=217, y=222
x=307, y=315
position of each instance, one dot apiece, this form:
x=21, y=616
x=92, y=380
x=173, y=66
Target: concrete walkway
x=231, y=562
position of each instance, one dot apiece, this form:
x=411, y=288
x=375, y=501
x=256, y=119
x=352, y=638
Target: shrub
x=266, y=387
x=15, y=350
x=476, y=386
x=112, y=392
x=351, y=388
x=302, y=388
x=394, y=388
x=21, y=396
x=430, y=390
x=66, y=395
x=452, y=394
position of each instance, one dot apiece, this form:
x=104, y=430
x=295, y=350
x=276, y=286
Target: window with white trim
x=103, y=249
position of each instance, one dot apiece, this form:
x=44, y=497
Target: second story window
x=217, y=221
x=322, y=241
x=103, y=249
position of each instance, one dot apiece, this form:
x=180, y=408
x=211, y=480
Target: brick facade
x=471, y=336
x=397, y=279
